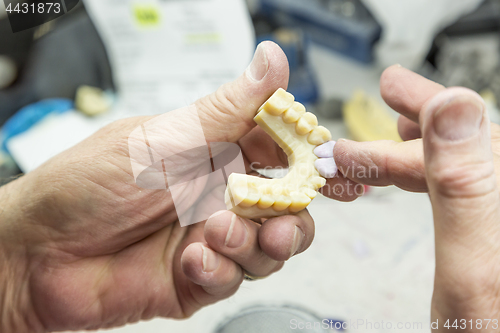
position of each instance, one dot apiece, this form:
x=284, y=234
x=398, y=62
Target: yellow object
x=368, y=120
x=91, y=101
x=146, y=15
x=297, y=133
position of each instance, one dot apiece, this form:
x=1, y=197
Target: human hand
x=452, y=151
x=83, y=247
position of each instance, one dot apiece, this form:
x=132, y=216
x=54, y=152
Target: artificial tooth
x=319, y=135
x=266, y=189
x=317, y=182
x=282, y=203
x=325, y=150
x=326, y=167
x=310, y=192
x=250, y=200
x=294, y=113
x=306, y=123
x=279, y=102
x=299, y=202
x=265, y=201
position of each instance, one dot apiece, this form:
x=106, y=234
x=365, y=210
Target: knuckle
x=221, y=103
x=225, y=101
x=474, y=179
x=227, y=105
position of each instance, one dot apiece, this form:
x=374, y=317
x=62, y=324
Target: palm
x=120, y=267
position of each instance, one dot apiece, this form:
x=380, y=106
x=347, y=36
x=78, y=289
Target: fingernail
x=259, y=65
x=237, y=233
x=210, y=260
x=297, y=240
x=325, y=150
x=220, y=212
x=458, y=119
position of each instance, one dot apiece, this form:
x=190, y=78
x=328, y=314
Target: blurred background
x=105, y=60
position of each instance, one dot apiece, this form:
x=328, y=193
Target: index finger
x=407, y=92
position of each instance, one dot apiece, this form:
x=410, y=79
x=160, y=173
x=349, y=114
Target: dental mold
x=298, y=134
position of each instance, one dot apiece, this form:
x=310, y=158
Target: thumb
x=227, y=114
x=460, y=175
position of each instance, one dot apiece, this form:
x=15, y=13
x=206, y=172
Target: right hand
x=453, y=152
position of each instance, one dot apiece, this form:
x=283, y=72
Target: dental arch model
x=298, y=134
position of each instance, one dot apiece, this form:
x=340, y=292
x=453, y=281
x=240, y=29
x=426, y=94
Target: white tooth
x=326, y=167
x=325, y=150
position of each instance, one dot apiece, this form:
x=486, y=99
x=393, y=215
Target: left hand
x=83, y=247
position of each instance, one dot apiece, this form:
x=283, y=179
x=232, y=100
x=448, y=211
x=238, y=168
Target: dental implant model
x=298, y=134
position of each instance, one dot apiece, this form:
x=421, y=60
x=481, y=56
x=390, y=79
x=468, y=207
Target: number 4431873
x=473, y=324
x=40, y=8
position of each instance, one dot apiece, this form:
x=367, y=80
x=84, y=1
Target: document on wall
x=166, y=54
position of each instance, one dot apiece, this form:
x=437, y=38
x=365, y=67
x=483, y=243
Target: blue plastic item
x=302, y=82
x=353, y=37
x=30, y=115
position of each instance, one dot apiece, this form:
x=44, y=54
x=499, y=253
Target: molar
x=299, y=202
x=279, y=102
x=265, y=201
x=306, y=123
x=294, y=113
x=282, y=203
x=319, y=135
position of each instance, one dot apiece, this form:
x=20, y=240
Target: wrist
x=16, y=312
x=464, y=298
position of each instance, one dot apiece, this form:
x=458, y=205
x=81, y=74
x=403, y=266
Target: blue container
x=353, y=37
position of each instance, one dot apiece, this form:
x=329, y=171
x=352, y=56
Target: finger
x=227, y=115
x=408, y=130
x=285, y=236
x=341, y=188
x=382, y=163
x=237, y=239
x=460, y=169
x=406, y=92
x=216, y=274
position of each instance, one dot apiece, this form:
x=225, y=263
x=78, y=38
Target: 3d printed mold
x=297, y=133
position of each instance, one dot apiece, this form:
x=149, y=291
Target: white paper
x=191, y=49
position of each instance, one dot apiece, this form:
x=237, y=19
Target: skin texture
x=452, y=152
x=83, y=247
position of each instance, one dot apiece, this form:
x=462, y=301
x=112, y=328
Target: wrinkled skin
x=84, y=247
x=458, y=166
